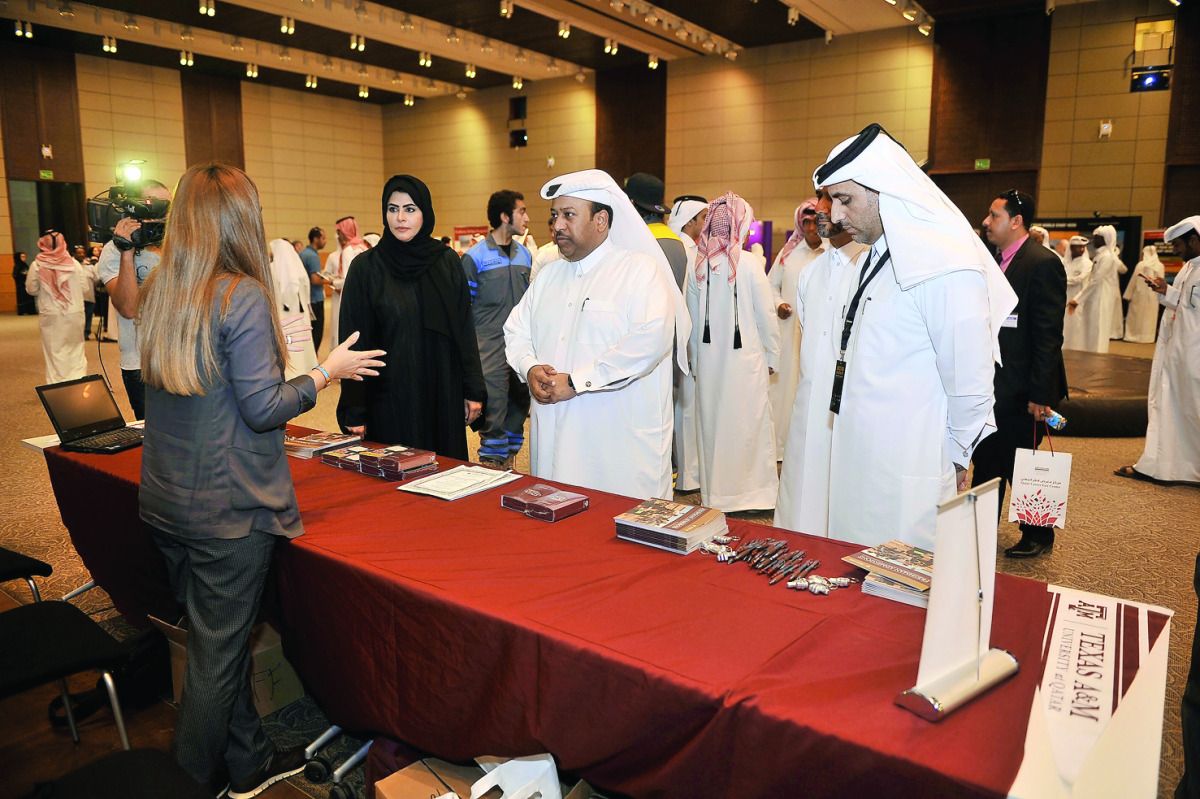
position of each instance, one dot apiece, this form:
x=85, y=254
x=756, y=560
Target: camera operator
x=122, y=271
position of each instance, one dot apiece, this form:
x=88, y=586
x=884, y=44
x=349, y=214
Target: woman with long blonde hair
x=216, y=487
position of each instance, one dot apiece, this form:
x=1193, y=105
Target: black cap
x=646, y=192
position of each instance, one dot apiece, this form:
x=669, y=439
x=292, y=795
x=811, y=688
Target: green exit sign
x=983, y=163
x=46, y=174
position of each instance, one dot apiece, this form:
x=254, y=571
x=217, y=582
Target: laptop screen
x=80, y=408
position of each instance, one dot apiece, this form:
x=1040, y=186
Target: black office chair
x=47, y=641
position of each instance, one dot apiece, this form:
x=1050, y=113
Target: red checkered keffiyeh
x=729, y=219
x=806, y=208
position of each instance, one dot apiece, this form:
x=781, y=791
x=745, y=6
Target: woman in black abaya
x=408, y=296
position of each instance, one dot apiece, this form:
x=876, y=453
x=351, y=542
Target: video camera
x=109, y=207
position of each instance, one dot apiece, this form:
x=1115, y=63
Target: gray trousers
x=220, y=582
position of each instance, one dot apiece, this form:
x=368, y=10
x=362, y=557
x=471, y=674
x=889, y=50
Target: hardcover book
x=344, y=458
x=544, y=502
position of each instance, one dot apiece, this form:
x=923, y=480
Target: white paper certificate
x=461, y=481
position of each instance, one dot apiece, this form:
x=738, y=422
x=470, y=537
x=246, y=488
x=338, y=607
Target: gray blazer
x=213, y=465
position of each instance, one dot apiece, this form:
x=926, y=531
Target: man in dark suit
x=1032, y=377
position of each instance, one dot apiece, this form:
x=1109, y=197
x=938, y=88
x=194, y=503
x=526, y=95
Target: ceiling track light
x=284, y=55
x=517, y=83
x=890, y=2
x=552, y=66
x=909, y=13
x=252, y=70
x=506, y=9
x=208, y=8
x=709, y=44
x=520, y=56
x=793, y=15
x=580, y=76
x=564, y=29
x=611, y=46
x=363, y=72
x=925, y=26
x=65, y=10
x=236, y=44
x=185, y=58
x=470, y=70
x=358, y=42
x=287, y=25
x=461, y=93
x=408, y=99
x=485, y=46
x=452, y=36
x=310, y=81
x=406, y=24
x=360, y=11
x=731, y=54
x=327, y=64
x=426, y=60
x=131, y=23
x=110, y=44
x=363, y=91
x=430, y=84
x=396, y=79
x=652, y=62
x=185, y=33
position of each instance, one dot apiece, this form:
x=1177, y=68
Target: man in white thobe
x=337, y=266
x=819, y=301
x=292, y=293
x=1172, y=450
x=1104, y=242
x=800, y=250
x=56, y=280
x=735, y=341
x=1079, y=275
x=687, y=220
x=1142, y=320
x=918, y=346
x=1092, y=306
x=593, y=338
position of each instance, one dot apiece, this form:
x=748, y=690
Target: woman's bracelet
x=325, y=372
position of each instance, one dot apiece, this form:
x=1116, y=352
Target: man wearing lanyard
x=912, y=388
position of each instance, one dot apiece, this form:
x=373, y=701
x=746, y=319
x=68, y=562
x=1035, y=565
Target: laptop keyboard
x=112, y=438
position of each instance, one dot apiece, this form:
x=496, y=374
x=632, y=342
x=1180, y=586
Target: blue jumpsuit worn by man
x=497, y=270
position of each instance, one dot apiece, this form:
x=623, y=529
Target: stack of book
x=544, y=502
x=673, y=526
x=896, y=571
x=345, y=458
x=301, y=442
x=397, y=463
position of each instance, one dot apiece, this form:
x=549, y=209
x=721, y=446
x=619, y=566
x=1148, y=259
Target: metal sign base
x=941, y=697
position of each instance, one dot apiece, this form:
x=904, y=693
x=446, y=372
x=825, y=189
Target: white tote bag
x=1039, y=487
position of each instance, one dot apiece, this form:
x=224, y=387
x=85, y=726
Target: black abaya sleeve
x=356, y=314
x=474, y=387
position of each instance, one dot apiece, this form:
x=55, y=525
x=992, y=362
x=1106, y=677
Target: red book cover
x=544, y=502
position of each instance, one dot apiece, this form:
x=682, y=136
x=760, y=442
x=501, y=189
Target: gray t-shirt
x=109, y=266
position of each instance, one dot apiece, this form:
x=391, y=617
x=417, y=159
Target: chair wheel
x=343, y=791
x=317, y=770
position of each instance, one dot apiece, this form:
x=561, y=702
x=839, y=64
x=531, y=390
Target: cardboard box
x=274, y=684
x=418, y=782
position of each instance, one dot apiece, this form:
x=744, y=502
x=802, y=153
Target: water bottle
x=1056, y=420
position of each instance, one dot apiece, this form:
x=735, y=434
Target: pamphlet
x=459, y=482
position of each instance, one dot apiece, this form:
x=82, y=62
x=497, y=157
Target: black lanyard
x=839, y=372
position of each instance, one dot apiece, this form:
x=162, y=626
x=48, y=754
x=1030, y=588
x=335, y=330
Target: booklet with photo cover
x=875, y=585
x=304, y=442
x=897, y=561
x=544, y=502
x=673, y=526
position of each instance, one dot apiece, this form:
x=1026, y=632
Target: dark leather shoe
x=283, y=763
x=1027, y=549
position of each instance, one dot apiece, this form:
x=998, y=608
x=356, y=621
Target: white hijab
x=927, y=235
x=626, y=230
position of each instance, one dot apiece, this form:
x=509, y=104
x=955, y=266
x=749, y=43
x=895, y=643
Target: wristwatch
x=570, y=383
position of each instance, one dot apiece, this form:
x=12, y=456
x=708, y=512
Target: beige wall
x=1088, y=82
x=760, y=126
x=460, y=147
x=314, y=159
x=129, y=111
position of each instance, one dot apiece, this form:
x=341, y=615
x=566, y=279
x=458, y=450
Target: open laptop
x=87, y=417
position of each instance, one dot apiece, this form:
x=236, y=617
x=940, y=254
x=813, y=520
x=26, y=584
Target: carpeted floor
x=1123, y=537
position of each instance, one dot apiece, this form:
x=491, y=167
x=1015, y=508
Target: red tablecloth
x=466, y=629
